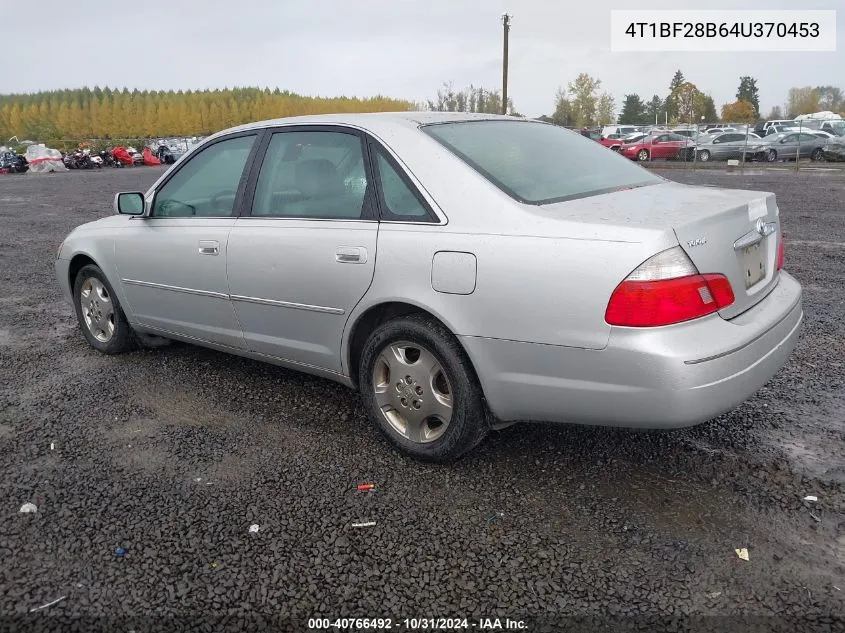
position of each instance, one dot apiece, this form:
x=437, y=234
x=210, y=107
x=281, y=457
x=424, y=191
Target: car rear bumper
x=666, y=377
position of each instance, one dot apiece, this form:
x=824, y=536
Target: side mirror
x=129, y=203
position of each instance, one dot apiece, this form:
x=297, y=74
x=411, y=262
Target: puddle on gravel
x=815, y=447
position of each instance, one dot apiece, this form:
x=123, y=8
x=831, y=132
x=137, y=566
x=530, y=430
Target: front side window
x=207, y=184
x=312, y=175
x=538, y=163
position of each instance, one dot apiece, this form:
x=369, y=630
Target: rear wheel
x=99, y=313
x=420, y=389
x=817, y=155
x=642, y=155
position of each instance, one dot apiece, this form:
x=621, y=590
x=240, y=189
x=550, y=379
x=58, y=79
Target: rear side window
x=538, y=163
x=399, y=199
x=312, y=175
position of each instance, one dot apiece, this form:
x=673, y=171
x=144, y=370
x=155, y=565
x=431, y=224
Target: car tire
x=771, y=156
x=642, y=155
x=413, y=363
x=704, y=156
x=817, y=155
x=98, y=311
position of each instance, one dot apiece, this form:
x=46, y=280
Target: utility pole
x=506, y=22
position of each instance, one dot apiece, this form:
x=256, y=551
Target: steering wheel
x=215, y=199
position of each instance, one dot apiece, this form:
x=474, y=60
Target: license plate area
x=753, y=263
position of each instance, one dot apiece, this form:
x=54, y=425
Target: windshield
x=538, y=163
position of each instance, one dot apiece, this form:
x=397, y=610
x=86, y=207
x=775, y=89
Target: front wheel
x=817, y=155
x=704, y=156
x=99, y=313
x=642, y=155
x=420, y=389
x=771, y=156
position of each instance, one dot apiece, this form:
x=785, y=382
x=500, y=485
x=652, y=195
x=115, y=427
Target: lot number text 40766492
x=416, y=624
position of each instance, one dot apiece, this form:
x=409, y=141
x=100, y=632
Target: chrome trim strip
x=190, y=291
x=749, y=239
x=288, y=304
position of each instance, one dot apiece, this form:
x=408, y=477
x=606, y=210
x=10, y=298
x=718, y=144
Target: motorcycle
x=108, y=160
x=12, y=163
x=137, y=157
x=78, y=159
x=165, y=155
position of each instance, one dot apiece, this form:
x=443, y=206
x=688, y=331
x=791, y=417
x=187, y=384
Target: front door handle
x=209, y=247
x=351, y=255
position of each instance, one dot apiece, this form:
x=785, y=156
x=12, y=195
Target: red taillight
x=780, y=252
x=667, y=301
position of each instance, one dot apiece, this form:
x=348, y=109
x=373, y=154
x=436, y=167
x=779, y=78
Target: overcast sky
x=399, y=48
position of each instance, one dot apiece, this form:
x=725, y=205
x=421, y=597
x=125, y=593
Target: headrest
x=318, y=178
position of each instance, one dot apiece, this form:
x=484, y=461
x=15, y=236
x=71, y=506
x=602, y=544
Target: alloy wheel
x=97, y=309
x=413, y=392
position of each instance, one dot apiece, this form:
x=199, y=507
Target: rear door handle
x=209, y=247
x=351, y=255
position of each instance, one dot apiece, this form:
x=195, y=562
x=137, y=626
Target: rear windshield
x=539, y=163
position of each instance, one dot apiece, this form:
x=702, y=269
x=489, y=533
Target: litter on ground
x=28, y=508
x=742, y=553
x=49, y=604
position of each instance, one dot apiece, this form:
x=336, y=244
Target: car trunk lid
x=738, y=239
x=727, y=231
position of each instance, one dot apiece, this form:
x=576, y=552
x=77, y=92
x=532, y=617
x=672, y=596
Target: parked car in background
x=633, y=138
x=725, y=146
x=789, y=146
x=607, y=130
x=661, y=146
x=720, y=130
x=834, y=150
x=416, y=239
x=614, y=141
x=835, y=127
x=823, y=134
x=687, y=132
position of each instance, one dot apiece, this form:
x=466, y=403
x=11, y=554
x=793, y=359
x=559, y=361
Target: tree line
x=119, y=114
x=123, y=114
x=582, y=104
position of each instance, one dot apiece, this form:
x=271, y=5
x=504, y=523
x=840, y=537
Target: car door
x=658, y=146
x=788, y=146
x=303, y=253
x=732, y=146
x=674, y=144
x=809, y=143
x=172, y=261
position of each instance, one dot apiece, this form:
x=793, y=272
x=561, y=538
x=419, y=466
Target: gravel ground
x=172, y=454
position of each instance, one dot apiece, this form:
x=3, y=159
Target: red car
x=613, y=141
x=668, y=146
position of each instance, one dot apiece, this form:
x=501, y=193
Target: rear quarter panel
x=532, y=288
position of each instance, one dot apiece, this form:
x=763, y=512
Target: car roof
x=374, y=120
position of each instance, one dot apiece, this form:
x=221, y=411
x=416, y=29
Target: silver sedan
x=463, y=272
x=725, y=146
x=789, y=146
